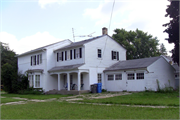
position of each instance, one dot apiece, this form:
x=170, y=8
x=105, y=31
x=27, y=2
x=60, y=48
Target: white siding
x=162, y=71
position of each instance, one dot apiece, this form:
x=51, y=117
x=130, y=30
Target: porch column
x=59, y=78
x=79, y=77
x=68, y=81
x=34, y=78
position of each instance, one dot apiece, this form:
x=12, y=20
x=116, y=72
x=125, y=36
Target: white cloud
x=43, y=3
x=28, y=43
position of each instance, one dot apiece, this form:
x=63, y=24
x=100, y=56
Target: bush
x=31, y=90
x=166, y=89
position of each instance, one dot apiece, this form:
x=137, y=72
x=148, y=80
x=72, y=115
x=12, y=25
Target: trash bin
x=94, y=88
x=99, y=87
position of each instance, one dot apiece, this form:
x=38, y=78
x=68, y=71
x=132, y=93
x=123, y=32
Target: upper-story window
x=36, y=59
x=115, y=55
x=99, y=55
x=69, y=54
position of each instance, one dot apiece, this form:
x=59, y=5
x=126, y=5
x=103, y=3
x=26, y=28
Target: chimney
x=104, y=31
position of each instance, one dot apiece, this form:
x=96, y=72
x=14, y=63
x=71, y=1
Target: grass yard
x=6, y=100
x=142, y=98
x=63, y=110
x=31, y=96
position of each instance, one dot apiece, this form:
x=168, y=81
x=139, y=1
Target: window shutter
x=71, y=54
x=117, y=55
x=74, y=53
x=31, y=60
x=80, y=52
x=35, y=60
x=62, y=56
x=57, y=57
x=65, y=55
x=112, y=54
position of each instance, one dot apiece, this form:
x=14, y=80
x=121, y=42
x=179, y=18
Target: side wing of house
x=37, y=62
x=162, y=71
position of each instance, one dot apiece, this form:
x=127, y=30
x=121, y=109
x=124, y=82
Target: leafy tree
x=162, y=49
x=137, y=43
x=173, y=28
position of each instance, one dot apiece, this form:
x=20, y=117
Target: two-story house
x=73, y=65
x=78, y=65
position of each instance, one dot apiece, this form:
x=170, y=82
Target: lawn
x=31, y=96
x=64, y=110
x=6, y=100
x=142, y=98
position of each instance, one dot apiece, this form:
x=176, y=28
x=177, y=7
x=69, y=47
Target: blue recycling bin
x=99, y=87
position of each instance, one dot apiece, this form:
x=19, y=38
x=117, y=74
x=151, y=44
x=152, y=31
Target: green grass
x=6, y=100
x=142, y=98
x=31, y=96
x=63, y=110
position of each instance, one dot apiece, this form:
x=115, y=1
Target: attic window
x=99, y=53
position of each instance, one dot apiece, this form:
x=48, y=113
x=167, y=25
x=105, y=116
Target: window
x=36, y=59
x=118, y=77
x=57, y=57
x=130, y=76
x=74, y=53
x=99, y=53
x=110, y=77
x=62, y=56
x=99, y=77
x=77, y=53
x=139, y=76
x=115, y=55
x=39, y=59
x=82, y=79
x=37, y=81
x=31, y=80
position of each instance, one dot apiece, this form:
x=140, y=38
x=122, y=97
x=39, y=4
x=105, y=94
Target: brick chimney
x=104, y=31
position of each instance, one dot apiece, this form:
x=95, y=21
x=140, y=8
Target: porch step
x=65, y=92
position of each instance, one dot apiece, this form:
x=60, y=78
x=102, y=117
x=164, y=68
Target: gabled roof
x=68, y=67
x=133, y=64
x=176, y=67
x=80, y=43
x=38, y=49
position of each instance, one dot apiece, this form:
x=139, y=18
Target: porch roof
x=35, y=70
x=68, y=67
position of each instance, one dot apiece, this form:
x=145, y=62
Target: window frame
x=140, y=76
x=116, y=78
x=129, y=77
x=99, y=78
x=108, y=76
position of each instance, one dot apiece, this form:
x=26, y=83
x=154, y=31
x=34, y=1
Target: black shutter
x=112, y=54
x=74, y=53
x=65, y=55
x=71, y=54
x=62, y=56
x=31, y=60
x=57, y=57
x=35, y=59
x=80, y=52
x=117, y=55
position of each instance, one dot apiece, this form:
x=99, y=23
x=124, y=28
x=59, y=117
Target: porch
x=70, y=78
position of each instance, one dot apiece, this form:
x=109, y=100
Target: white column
x=34, y=77
x=68, y=81
x=59, y=78
x=79, y=77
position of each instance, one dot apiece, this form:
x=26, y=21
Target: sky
x=29, y=24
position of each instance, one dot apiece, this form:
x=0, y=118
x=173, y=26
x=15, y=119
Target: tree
x=137, y=43
x=162, y=49
x=173, y=28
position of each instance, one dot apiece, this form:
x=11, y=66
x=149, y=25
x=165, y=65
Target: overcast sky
x=29, y=24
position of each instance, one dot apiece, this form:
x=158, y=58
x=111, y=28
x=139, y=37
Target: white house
x=77, y=65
